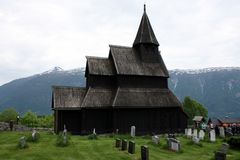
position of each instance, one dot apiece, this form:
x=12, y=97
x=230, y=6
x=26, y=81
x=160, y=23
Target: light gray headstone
x=222, y=132
x=212, y=136
x=94, y=131
x=155, y=139
x=195, y=140
x=174, y=144
x=201, y=135
x=195, y=133
x=186, y=131
x=34, y=134
x=133, y=129
x=189, y=133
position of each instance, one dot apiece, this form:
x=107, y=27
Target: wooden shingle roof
x=127, y=62
x=100, y=66
x=77, y=98
x=145, y=97
x=68, y=97
x=98, y=98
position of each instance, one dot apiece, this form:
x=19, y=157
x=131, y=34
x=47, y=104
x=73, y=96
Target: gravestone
x=124, y=144
x=186, y=131
x=133, y=129
x=195, y=133
x=155, y=139
x=189, y=133
x=144, y=153
x=23, y=142
x=171, y=136
x=131, y=147
x=34, y=134
x=222, y=132
x=65, y=135
x=201, y=135
x=195, y=140
x=118, y=143
x=174, y=144
x=212, y=136
x=222, y=153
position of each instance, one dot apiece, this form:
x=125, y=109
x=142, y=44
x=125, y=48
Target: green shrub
x=92, y=136
x=29, y=119
x=63, y=140
x=234, y=141
x=8, y=114
x=46, y=121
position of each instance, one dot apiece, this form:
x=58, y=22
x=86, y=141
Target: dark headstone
x=219, y=155
x=118, y=143
x=131, y=147
x=144, y=153
x=124, y=144
x=222, y=153
x=225, y=148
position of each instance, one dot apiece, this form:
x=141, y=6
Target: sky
x=37, y=35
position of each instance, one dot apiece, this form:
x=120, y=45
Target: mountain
x=34, y=92
x=216, y=88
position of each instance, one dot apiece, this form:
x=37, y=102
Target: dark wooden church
x=129, y=88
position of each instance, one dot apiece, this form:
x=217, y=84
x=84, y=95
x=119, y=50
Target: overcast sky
x=36, y=35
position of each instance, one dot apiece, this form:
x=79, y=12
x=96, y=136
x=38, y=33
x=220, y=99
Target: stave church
x=127, y=88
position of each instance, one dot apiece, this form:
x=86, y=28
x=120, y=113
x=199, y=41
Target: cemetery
x=15, y=145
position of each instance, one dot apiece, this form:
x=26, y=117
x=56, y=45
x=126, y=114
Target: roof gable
x=100, y=66
x=128, y=62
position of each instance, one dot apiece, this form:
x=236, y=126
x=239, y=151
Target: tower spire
x=145, y=32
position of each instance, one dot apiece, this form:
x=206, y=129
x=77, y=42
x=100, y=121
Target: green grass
x=81, y=148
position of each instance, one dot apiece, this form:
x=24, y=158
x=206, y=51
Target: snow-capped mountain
x=217, y=88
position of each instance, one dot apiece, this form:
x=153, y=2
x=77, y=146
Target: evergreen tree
x=193, y=108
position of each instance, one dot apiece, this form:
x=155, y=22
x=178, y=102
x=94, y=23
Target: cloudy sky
x=36, y=35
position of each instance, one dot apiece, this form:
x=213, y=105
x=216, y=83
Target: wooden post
x=131, y=147
x=144, y=153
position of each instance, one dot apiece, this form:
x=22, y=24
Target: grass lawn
x=81, y=148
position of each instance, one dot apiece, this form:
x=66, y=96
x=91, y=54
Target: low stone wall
x=5, y=127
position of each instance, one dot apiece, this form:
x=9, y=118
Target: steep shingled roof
x=127, y=62
x=145, y=32
x=100, y=66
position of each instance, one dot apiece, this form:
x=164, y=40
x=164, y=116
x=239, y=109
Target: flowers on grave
x=93, y=135
x=63, y=139
x=22, y=143
x=34, y=136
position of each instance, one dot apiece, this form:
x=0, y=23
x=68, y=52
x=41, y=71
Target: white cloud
x=38, y=35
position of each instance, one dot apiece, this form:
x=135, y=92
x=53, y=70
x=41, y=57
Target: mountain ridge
x=218, y=88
